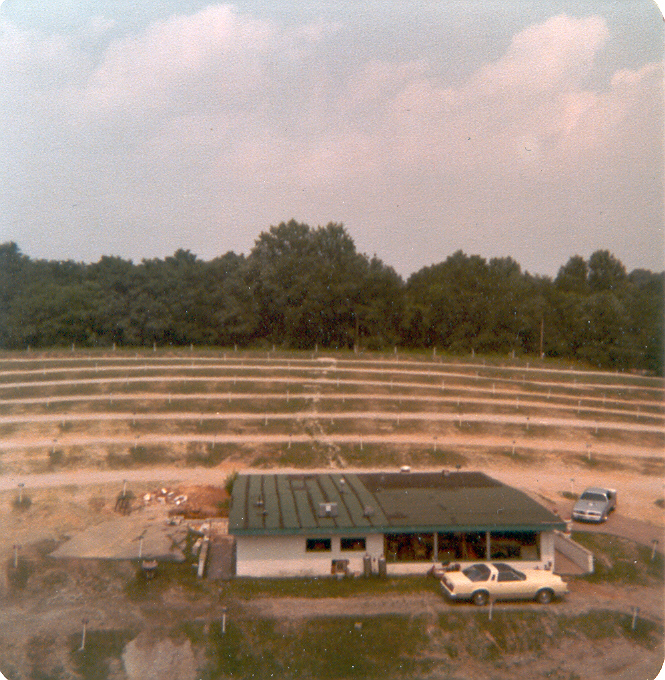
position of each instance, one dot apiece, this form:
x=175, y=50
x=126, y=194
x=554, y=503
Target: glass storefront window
x=459, y=545
x=514, y=545
x=409, y=547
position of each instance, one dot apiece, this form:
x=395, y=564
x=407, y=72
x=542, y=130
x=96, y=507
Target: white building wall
x=274, y=556
x=287, y=555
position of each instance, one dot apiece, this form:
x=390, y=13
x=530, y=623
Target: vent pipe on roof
x=328, y=510
x=405, y=468
x=368, y=511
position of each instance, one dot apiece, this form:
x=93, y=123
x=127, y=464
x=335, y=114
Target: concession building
x=310, y=524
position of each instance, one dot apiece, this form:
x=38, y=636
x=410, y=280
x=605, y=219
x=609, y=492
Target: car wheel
x=480, y=598
x=544, y=596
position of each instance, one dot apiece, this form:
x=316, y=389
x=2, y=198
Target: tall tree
x=307, y=284
x=572, y=277
x=14, y=274
x=606, y=272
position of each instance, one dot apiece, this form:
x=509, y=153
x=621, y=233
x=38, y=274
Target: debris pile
x=191, y=502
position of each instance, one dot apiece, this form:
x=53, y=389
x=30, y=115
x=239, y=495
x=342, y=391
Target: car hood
x=590, y=505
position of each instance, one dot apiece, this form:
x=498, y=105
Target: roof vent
x=259, y=501
x=327, y=509
x=368, y=511
x=405, y=468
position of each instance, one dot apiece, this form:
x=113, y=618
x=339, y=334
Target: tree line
x=303, y=287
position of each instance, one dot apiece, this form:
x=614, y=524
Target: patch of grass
x=249, y=588
x=137, y=455
x=328, y=648
x=598, y=462
x=601, y=624
x=96, y=503
x=518, y=455
x=371, y=455
x=511, y=633
x=169, y=575
x=39, y=652
x=194, y=631
x=101, y=648
x=142, y=455
x=444, y=457
x=18, y=576
x=117, y=461
x=55, y=457
x=296, y=455
x=620, y=561
x=229, y=482
x=208, y=455
x=526, y=634
x=655, y=566
x=53, y=580
x=22, y=502
x=569, y=495
x=45, y=547
x=653, y=466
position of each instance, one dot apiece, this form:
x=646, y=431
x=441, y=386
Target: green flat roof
x=381, y=502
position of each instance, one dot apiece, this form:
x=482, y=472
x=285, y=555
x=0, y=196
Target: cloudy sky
x=530, y=129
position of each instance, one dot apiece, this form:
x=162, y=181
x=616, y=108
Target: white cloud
x=175, y=58
x=218, y=113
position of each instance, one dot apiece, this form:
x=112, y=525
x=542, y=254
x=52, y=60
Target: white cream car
x=499, y=581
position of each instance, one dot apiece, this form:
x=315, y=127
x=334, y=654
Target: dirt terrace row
x=327, y=402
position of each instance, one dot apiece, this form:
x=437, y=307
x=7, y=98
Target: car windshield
x=477, y=572
x=593, y=496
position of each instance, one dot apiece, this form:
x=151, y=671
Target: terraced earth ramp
x=213, y=409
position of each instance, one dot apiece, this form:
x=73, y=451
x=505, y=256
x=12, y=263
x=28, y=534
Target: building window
x=458, y=545
x=352, y=544
x=318, y=545
x=514, y=545
x=409, y=547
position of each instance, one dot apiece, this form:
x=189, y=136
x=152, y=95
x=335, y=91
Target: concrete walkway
x=221, y=558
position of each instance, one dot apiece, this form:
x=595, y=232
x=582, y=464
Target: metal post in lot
x=82, y=647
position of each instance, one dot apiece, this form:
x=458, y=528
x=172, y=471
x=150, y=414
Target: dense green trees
x=303, y=287
x=312, y=288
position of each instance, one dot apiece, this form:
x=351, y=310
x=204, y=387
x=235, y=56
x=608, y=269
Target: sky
x=524, y=129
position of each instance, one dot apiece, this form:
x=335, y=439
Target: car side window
x=508, y=576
